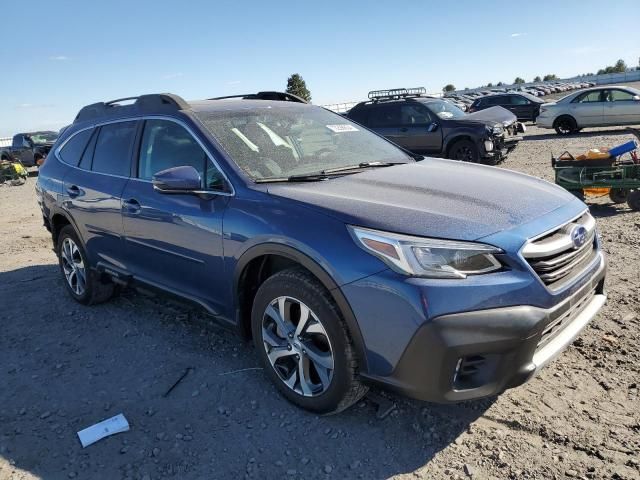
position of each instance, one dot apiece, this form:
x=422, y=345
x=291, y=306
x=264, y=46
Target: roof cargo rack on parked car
x=396, y=93
x=278, y=96
x=151, y=103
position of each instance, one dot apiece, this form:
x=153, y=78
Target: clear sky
x=58, y=56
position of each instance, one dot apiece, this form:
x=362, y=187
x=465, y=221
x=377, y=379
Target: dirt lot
x=64, y=367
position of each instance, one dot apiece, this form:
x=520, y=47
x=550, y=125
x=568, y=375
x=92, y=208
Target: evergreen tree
x=297, y=86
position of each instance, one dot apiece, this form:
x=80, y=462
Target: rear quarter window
x=74, y=147
x=113, y=149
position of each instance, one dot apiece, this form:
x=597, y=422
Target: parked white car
x=592, y=107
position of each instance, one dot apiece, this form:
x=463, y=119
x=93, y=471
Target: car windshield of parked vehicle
x=444, y=110
x=295, y=139
x=43, y=137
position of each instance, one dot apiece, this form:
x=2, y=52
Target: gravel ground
x=64, y=367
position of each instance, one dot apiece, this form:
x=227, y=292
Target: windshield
x=43, y=137
x=444, y=110
x=295, y=139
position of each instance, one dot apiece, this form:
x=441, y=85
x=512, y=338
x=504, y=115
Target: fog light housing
x=488, y=145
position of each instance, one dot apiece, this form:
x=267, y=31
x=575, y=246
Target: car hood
x=434, y=198
x=493, y=114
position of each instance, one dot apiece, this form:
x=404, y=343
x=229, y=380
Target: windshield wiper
x=361, y=165
x=326, y=173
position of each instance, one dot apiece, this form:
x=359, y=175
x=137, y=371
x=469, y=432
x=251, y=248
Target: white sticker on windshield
x=343, y=127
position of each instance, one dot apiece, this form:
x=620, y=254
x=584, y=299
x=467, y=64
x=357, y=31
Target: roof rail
x=151, y=103
x=267, y=95
x=396, y=93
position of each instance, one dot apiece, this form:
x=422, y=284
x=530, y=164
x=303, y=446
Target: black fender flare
x=459, y=135
x=60, y=211
x=319, y=272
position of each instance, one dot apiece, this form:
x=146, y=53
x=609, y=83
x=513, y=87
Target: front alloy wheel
x=297, y=346
x=304, y=343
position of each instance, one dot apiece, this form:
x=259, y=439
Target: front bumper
x=502, y=147
x=544, y=121
x=474, y=354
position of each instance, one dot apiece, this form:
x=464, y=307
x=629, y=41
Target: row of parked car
x=465, y=98
x=603, y=106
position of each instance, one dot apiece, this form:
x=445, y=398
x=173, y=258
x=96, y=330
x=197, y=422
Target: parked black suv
x=523, y=105
x=428, y=125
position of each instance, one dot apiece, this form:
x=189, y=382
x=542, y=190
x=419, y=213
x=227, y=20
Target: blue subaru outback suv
x=347, y=262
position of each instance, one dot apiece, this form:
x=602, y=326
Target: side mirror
x=183, y=179
x=433, y=126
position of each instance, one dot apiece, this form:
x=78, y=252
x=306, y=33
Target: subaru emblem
x=578, y=235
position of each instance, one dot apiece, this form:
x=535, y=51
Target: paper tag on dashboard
x=343, y=127
x=103, y=429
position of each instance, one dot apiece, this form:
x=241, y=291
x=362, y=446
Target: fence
x=604, y=79
x=608, y=78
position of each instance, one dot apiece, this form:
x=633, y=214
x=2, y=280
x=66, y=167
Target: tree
x=499, y=84
x=550, y=76
x=489, y=84
x=297, y=86
x=620, y=67
x=449, y=88
x=518, y=80
x=537, y=79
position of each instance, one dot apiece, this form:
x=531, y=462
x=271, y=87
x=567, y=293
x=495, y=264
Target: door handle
x=73, y=191
x=131, y=205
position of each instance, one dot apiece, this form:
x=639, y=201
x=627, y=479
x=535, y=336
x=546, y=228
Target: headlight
x=497, y=130
x=427, y=257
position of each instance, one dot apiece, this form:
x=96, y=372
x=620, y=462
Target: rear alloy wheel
x=565, y=126
x=304, y=344
x=464, y=151
x=82, y=283
x=633, y=200
x=618, y=195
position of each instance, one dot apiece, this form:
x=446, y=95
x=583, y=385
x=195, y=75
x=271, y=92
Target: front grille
x=557, y=257
x=556, y=325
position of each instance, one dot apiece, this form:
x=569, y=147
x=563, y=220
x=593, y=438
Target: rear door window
x=74, y=147
x=113, y=148
x=87, y=156
x=619, y=96
x=384, y=116
x=492, y=101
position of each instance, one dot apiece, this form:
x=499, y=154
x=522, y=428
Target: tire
x=464, y=151
x=633, y=200
x=81, y=281
x=565, y=125
x=285, y=352
x=618, y=195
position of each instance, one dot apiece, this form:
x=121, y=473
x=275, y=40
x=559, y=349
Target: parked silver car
x=593, y=107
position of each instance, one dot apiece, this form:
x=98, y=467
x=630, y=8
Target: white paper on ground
x=103, y=429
